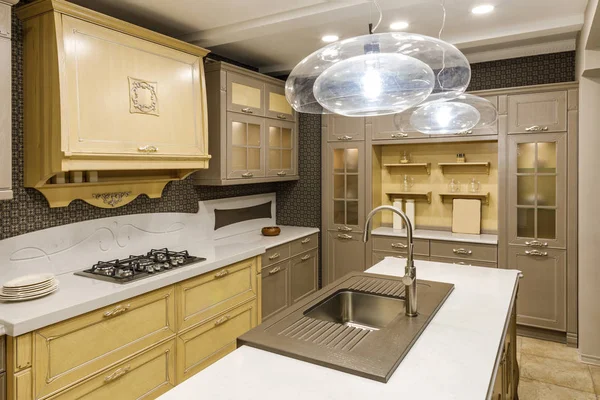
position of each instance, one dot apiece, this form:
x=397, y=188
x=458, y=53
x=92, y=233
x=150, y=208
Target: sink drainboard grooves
x=379, y=286
x=327, y=334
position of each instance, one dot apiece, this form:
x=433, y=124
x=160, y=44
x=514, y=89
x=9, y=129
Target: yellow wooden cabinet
x=111, y=110
x=141, y=347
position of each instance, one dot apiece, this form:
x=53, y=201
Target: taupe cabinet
x=2, y=368
x=253, y=133
x=5, y=104
x=506, y=384
x=290, y=272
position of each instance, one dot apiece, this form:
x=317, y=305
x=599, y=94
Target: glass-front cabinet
x=245, y=135
x=346, y=167
x=281, y=148
x=277, y=105
x=538, y=190
x=245, y=95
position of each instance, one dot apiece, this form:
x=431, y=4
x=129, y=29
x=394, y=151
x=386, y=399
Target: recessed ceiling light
x=483, y=9
x=330, y=38
x=396, y=26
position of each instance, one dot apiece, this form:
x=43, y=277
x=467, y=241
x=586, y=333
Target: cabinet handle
x=281, y=173
x=399, y=135
x=306, y=257
x=536, y=128
x=148, y=149
x=464, y=133
x=274, y=256
x=117, y=374
x=247, y=110
x=222, y=320
x=462, y=251
x=399, y=245
x=461, y=263
x=281, y=116
x=221, y=274
x=247, y=175
x=536, y=253
x=536, y=243
x=305, y=240
x=344, y=236
x=117, y=311
x=344, y=229
x=274, y=270
x=345, y=137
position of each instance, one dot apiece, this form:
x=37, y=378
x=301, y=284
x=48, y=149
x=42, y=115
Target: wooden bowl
x=271, y=231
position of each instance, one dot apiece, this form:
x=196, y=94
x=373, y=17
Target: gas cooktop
x=139, y=267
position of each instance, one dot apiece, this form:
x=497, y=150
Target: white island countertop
x=454, y=358
x=78, y=295
x=437, y=235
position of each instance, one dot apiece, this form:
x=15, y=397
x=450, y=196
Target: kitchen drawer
x=2, y=353
x=378, y=256
x=201, y=298
x=463, y=261
x=467, y=251
x=399, y=245
x=306, y=243
x=275, y=292
x=145, y=376
x=203, y=345
x=304, y=275
x=79, y=347
x=276, y=254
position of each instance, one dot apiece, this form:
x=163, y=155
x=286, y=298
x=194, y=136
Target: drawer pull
x=148, y=149
x=274, y=256
x=247, y=110
x=274, y=270
x=536, y=128
x=399, y=135
x=281, y=116
x=281, y=173
x=222, y=320
x=462, y=251
x=344, y=236
x=306, y=257
x=536, y=253
x=461, y=263
x=536, y=243
x=117, y=374
x=399, y=245
x=247, y=175
x=117, y=311
x=222, y=273
x=345, y=137
x=305, y=240
x=464, y=133
x=344, y=229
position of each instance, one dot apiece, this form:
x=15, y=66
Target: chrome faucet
x=410, y=272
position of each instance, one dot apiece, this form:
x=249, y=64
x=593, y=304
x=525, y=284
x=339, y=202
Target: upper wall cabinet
x=111, y=110
x=538, y=112
x=253, y=129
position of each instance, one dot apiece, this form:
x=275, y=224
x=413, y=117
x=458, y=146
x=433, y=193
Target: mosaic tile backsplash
x=299, y=203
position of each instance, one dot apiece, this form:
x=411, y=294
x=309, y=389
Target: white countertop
x=78, y=295
x=455, y=357
x=437, y=235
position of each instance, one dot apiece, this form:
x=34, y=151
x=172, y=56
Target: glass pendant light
x=444, y=117
x=487, y=111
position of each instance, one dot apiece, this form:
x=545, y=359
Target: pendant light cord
x=443, y=4
x=371, y=27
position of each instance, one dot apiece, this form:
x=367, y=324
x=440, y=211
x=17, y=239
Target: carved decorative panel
x=143, y=97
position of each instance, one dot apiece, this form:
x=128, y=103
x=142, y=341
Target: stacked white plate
x=29, y=287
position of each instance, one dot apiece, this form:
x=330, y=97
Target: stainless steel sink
x=359, y=310
x=356, y=325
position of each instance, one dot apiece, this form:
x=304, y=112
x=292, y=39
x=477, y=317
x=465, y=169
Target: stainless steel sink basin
x=356, y=325
x=359, y=310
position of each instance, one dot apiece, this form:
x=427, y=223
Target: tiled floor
x=552, y=371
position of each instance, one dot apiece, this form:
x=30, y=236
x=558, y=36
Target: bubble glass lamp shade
x=450, y=67
x=374, y=84
x=487, y=111
x=444, y=117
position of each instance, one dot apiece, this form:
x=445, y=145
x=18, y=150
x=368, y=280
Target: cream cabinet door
x=340, y=128
x=245, y=95
x=538, y=112
x=275, y=289
x=129, y=96
x=346, y=253
x=542, y=298
x=277, y=105
x=245, y=146
x=282, y=145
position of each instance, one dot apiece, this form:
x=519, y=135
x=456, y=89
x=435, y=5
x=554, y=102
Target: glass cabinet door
x=346, y=186
x=281, y=148
x=245, y=95
x=245, y=157
x=277, y=105
x=537, y=190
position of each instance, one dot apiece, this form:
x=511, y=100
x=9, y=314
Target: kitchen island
x=458, y=356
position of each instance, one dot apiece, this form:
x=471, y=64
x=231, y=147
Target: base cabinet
x=275, y=289
x=346, y=253
x=506, y=385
